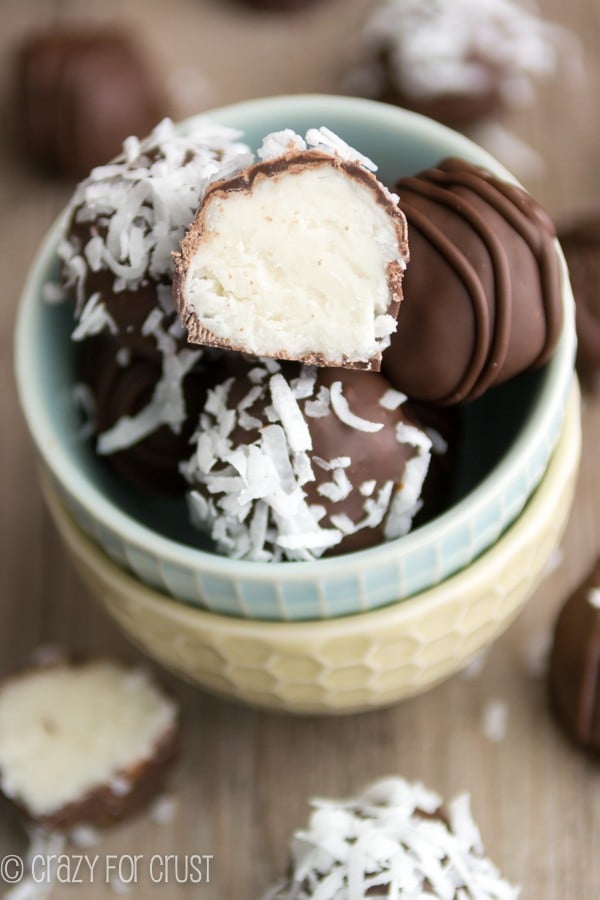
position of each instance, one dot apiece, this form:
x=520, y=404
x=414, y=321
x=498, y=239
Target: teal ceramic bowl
x=509, y=434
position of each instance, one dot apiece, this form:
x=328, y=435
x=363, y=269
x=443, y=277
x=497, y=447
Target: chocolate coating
x=482, y=291
x=581, y=245
x=81, y=94
x=574, y=672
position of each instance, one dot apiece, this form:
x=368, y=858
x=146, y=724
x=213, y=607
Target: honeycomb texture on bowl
x=357, y=662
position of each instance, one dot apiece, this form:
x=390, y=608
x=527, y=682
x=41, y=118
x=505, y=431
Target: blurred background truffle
x=575, y=664
x=81, y=92
x=460, y=61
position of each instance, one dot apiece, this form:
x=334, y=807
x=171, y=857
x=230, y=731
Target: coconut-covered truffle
x=581, y=245
x=460, y=61
x=126, y=219
x=292, y=462
x=300, y=256
x=394, y=840
x=81, y=92
x=142, y=413
x=574, y=670
x=87, y=743
x=483, y=289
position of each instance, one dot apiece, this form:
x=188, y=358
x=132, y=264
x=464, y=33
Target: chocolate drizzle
x=482, y=253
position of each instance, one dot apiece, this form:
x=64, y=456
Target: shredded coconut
x=449, y=46
x=392, y=837
x=166, y=406
x=494, y=720
x=344, y=413
x=249, y=494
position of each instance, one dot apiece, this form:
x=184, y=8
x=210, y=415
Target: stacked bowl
x=337, y=634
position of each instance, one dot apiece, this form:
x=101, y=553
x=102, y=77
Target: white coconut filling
x=298, y=265
x=65, y=731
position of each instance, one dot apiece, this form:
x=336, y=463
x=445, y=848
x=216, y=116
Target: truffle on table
x=574, y=670
x=81, y=93
x=84, y=743
x=396, y=839
x=300, y=256
x=581, y=245
x=483, y=289
x=293, y=462
x=460, y=61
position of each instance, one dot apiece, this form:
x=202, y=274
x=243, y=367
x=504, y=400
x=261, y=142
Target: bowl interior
x=400, y=143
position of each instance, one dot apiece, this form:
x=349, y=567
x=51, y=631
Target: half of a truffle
x=299, y=257
x=84, y=743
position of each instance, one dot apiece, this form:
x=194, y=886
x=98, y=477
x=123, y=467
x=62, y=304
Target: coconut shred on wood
x=300, y=256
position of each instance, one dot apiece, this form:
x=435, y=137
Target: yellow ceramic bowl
x=351, y=663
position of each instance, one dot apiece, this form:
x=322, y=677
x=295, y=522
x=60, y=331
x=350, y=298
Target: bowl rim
x=135, y=533
x=565, y=456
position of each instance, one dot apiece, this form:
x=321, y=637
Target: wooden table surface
x=245, y=776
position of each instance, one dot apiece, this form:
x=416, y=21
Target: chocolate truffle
x=293, y=461
x=84, y=743
x=483, y=289
x=574, y=671
x=142, y=413
x=581, y=245
x=395, y=839
x=300, y=256
x=81, y=93
x=124, y=222
x=460, y=62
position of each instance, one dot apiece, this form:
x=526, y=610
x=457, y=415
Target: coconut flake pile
x=141, y=203
x=393, y=841
x=436, y=47
x=250, y=496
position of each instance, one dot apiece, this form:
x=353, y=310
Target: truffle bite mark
x=300, y=257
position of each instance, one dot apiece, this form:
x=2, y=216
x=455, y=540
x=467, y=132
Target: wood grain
x=245, y=776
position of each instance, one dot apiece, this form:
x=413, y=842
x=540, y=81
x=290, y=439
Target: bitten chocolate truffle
x=292, y=462
x=81, y=92
x=574, y=671
x=395, y=839
x=460, y=62
x=581, y=245
x=483, y=288
x=300, y=256
x=84, y=743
